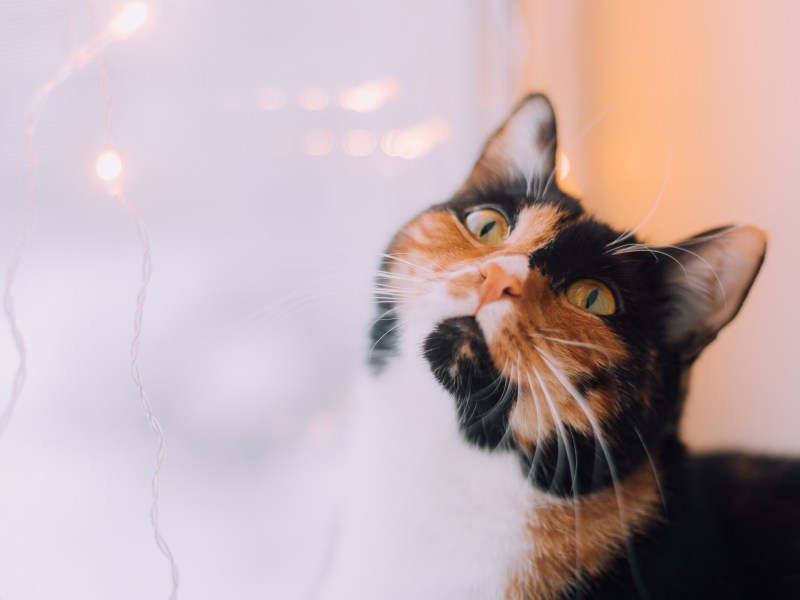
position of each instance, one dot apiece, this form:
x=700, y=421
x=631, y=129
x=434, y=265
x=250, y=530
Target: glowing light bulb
x=108, y=166
x=129, y=20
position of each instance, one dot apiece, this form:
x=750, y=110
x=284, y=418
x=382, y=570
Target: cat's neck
x=456, y=515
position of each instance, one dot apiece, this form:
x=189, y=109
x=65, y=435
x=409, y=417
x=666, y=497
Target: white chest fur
x=427, y=515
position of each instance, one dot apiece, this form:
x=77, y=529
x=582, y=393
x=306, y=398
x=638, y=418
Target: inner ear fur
x=708, y=278
x=523, y=148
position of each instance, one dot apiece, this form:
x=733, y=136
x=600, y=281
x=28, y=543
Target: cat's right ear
x=522, y=149
x=708, y=278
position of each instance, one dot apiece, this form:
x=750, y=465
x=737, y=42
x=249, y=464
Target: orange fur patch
x=575, y=541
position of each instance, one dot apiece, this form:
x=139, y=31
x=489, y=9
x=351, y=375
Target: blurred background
x=271, y=149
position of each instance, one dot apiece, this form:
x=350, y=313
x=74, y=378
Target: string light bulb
x=109, y=166
x=129, y=20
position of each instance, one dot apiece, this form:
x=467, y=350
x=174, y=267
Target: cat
x=518, y=437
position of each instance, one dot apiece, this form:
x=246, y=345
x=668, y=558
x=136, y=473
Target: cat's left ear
x=708, y=279
x=522, y=149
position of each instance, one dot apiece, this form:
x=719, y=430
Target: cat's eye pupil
x=591, y=298
x=487, y=228
x=487, y=225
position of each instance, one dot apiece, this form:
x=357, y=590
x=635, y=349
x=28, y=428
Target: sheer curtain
x=271, y=149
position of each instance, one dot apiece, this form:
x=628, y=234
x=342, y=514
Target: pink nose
x=497, y=283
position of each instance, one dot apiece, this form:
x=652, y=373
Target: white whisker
x=653, y=468
x=612, y=468
x=602, y=349
x=630, y=233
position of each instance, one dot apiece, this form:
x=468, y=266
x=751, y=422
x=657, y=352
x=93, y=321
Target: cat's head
x=558, y=336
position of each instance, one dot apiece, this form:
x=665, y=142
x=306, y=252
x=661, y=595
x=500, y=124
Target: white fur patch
x=428, y=516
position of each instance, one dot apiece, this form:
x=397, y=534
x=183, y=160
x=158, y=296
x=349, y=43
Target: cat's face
x=558, y=337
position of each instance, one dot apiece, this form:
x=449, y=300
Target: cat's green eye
x=592, y=296
x=486, y=225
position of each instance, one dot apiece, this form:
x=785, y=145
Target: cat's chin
x=459, y=359
x=490, y=316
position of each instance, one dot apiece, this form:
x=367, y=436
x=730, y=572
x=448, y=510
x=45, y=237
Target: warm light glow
x=562, y=166
x=371, y=95
x=416, y=141
x=129, y=20
x=271, y=98
x=314, y=98
x=108, y=166
x=359, y=142
x=318, y=142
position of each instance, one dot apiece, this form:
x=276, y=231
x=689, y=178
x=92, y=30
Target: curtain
x=269, y=151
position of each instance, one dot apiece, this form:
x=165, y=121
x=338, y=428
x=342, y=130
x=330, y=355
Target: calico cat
x=518, y=437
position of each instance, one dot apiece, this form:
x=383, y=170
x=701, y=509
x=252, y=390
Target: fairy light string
x=122, y=26
x=109, y=168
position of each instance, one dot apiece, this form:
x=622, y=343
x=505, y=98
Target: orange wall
x=716, y=87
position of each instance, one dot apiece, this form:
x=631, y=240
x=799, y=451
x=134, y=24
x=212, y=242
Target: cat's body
x=518, y=435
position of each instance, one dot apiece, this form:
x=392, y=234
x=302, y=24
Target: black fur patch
x=732, y=530
x=460, y=361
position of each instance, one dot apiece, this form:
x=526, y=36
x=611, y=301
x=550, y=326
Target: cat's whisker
x=631, y=248
x=602, y=349
x=499, y=405
x=634, y=248
x=512, y=377
x=295, y=302
x=399, y=277
x=387, y=332
x=284, y=310
x=632, y=232
x=653, y=468
x=383, y=315
x=539, y=437
x=411, y=264
x=707, y=264
x=571, y=460
x=561, y=430
x=572, y=145
x=610, y=463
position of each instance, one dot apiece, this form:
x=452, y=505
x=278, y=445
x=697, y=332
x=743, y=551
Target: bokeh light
x=314, y=98
x=318, y=142
x=370, y=96
x=415, y=141
x=359, y=142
